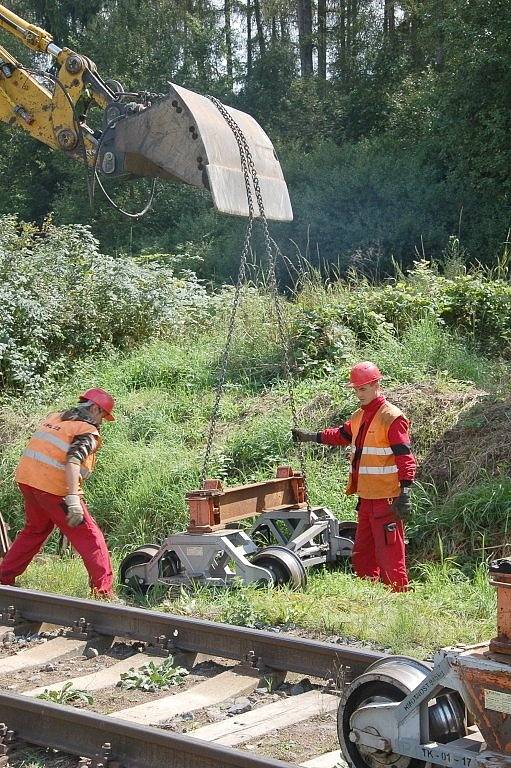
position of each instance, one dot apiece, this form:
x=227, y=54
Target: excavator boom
x=179, y=136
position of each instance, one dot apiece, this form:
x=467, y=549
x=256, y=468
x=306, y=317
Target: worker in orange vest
x=382, y=470
x=58, y=457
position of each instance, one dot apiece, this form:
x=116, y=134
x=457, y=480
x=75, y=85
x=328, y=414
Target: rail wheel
x=169, y=565
x=140, y=556
x=391, y=680
x=347, y=529
x=284, y=566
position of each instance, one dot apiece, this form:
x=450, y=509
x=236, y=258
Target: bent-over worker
x=382, y=470
x=59, y=455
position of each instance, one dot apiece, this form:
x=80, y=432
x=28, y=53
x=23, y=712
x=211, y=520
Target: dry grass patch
x=477, y=444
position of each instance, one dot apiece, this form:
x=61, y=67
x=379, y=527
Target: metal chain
x=222, y=373
x=248, y=167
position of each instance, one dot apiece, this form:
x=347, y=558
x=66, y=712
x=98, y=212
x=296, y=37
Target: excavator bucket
x=186, y=138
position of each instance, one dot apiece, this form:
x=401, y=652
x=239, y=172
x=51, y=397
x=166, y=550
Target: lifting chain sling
x=250, y=174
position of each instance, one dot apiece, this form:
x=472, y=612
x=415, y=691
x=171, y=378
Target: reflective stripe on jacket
x=377, y=469
x=43, y=462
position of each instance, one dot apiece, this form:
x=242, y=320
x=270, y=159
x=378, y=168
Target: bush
x=321, y=341
x=61, y=299
x=329, y=322
x=482, y=309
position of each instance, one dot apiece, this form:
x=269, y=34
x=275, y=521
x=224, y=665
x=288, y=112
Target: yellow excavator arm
x=180, y=135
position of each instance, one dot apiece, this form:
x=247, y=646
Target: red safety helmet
x=364, y=373
x=101, y=398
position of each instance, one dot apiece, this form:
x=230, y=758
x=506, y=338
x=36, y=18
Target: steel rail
x=114, y=742
x=178, y=633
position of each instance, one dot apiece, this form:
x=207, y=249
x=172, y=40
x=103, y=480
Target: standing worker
x=382, y=471
x=59, y=455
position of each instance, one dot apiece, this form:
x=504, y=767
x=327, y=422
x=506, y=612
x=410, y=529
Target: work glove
x=402, y=505
x=301, y=436
x=74, y=511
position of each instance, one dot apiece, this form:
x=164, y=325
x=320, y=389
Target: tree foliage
x=391, y=119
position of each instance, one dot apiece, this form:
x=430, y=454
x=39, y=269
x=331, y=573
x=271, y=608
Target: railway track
x=226, y=665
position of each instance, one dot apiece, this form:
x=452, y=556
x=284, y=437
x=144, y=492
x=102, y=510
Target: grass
x=67, y=695
x=153, y=453
x=426, y=351
x=445, y=607
x=482, y=515
x=33, y=757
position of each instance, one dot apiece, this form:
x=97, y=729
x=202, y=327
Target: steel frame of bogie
x=203, y=558
x=403, y=728
x=314, y=536
x=220, y=557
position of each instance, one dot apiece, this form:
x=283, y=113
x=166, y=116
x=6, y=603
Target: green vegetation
x=67, y=695
x=61, y=299
x=153, y=677
x=445, y=352
x=395, y=137
x=32, y=757
x=446, y=606
x=153, y=454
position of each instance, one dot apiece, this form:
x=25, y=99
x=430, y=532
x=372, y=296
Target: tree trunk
x=410, y=23
x=185, y=48
x=322, y=39
x=304, y=8
x=260, y=30
x=415, y=51
x=389, y=18
x=342, y=12
x=249, y=38
x=340, y=37
x=284, y=31
x=349, y=15
x=440, y=47
x=228, y=38
x=351, y=32
x=273, y=29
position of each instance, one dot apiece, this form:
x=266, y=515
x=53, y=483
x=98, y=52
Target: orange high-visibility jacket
x=377, y=469
x=43, y=462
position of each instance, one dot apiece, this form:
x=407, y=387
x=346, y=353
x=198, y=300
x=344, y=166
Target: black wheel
x=169, y=565
x=262, y=536
x=284, y=566
x=356, y=755
x=347, y=529
x=140, y=556
x=391, y=680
